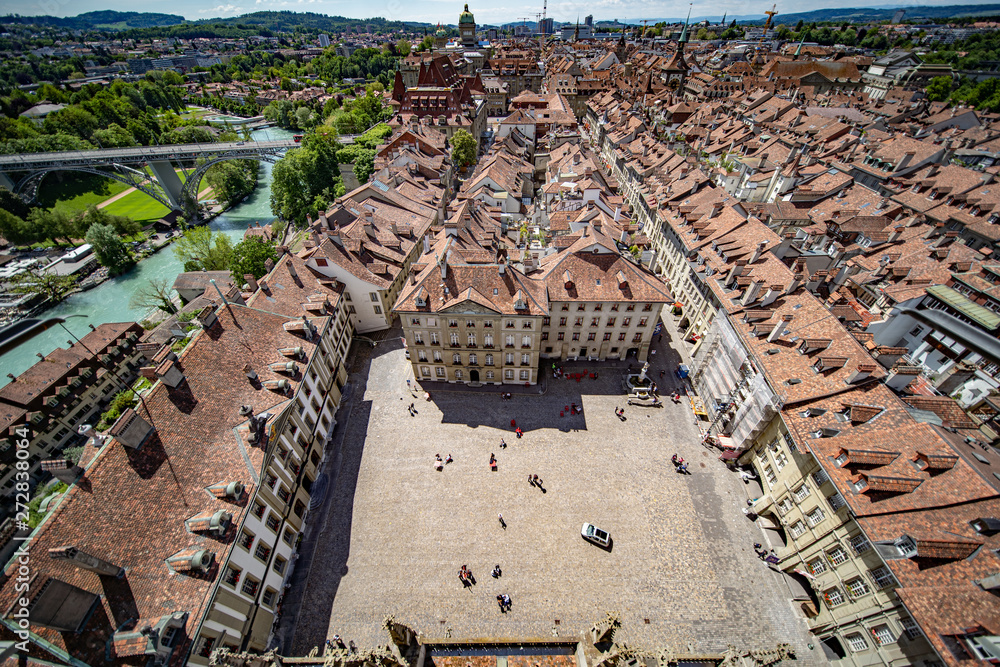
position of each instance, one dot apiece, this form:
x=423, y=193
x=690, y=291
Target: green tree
x=115, y=136
x=403, y=47
x=123, y=225
x=157, y=293
x=15, y=230
x=249, y=256
x=939, y=88
x=202, y=249
x=463, y=148
x=36, y=282
x=110, y=249
x=231, y=180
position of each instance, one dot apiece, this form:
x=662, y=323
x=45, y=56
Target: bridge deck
x=138, y=154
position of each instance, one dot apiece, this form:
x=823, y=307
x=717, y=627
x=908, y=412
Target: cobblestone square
x=681, y=571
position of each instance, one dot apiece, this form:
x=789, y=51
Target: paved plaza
x=681, y=571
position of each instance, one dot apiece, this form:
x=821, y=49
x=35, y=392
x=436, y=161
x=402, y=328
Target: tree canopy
x=250, y=256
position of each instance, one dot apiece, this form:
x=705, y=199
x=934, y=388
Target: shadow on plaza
x=551, y=403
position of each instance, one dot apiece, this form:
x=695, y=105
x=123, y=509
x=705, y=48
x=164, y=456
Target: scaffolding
x=738, y=398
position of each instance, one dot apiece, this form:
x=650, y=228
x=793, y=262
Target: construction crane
x=524, y=22
x=767, y=24
x=645, y=22
x=545, y=11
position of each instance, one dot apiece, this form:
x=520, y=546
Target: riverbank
x=109, y=301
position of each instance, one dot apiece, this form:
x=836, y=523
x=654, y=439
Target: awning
x=729, y=456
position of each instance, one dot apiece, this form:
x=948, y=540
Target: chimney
x=427, y=243
x=63, y=470
x=293, y=273
x=716, y=210
x=618, y=212
x=250, y=372
x=862, y=372
x=169, y=373
x=753, y=289
x=779, y=329
x=896, y=233
x=901, y=376
x=443, y=263
x=773, y=292
x=335, y=235
x=131, y=430
x=756, y=253
x=84, y=560
x=905, y=161
x=735, y=272
x=207, y=316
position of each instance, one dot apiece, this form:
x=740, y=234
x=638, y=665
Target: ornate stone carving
x=604, y=630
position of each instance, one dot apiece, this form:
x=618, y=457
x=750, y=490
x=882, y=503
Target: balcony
x=488, y=345
x=509, y=345
x=526, y=347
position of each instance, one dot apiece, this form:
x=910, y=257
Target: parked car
x=592, y=533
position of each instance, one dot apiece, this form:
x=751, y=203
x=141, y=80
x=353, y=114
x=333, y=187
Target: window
x=232, y=576
x=509, y=324
x=258, y=508
x=785, y=506
x=489, y=375
x=607, y=336
x=562, y=321
x=578, y=322
x=546, y=321
x=415, y=321
x=816, y=516
x=458, y=374
x=437, y=357
x=509, y=341
x=472, y=359
x=637, y=338
x=611, y=321
x=273, y=522
x=470, y=324
x=621, y=336
x=525, y=341
x=526, y=375
x=836, y=556
x=250, y=586
x=207, y=644
x=526, y=324
x=817, y=566
x=440, y=372
x=472, y=340
x=509, y=358
x=421, y=356
x=279, y=564
x=614, y=308
x=377, y=309
x=270, y=479
x=860, y=544
x=882, y=577
x=626, y=321
x=456, y=359
x=581, y=307
x=770, y=476
x=351, y=310
x=565, y=306
x=488, y=340
x=454, y=340
x=576, y=336
x=508, y=374
x=452, y=323
x=561, y=336
x=489, y=359
x=288, y=537
x=262, y=552
x=246, y=540
x=488, y=324
x=284, y=494
x=268, y=597
x=801, y=493
x=833, y=597
x=545, y=336
x=425, y=371
x=373, y=296
x=591, y=336
x=780, y=460
x=798, y=528
x=595, y=321
x=856, y=642
x=856, y=587
x=642, y=321
x=435, y=339
x=836, y=501
x=910, y=627
x=525, y=359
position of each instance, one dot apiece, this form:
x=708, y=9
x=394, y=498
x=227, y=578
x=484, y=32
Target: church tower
x=467, y=28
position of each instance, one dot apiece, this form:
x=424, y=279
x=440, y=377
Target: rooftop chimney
x=131, y=430
x=86, y=561
x=753, y=289
x=757, y=252
x=779, y=329
x=862, y=372
x=427, y=243
x=773, y=292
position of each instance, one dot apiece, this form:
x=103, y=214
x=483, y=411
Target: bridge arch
x=28, y=186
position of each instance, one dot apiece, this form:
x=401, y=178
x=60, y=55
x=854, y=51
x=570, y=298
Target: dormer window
x=994, y=218
x=860, y=485
x=933, y=194
x=841, y=460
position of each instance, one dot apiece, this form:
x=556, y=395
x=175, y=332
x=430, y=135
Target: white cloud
x=221, y=9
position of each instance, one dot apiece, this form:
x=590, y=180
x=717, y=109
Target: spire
x=684, y=33
x=576, y=33
x=723, y=19
x=798, y=49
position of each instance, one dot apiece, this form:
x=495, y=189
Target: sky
x=447, y=11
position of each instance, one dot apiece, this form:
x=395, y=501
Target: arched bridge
x=124, y=165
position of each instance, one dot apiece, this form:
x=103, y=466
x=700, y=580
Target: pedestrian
x=661, y=374
x=500, y=602
x=531, y=480
x=518, y=432
x=538, y=481
x=503, y=524
x=407, y=383
x=652, y=353
x=503, y=444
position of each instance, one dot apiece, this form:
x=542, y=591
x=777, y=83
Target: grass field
x=75, y=192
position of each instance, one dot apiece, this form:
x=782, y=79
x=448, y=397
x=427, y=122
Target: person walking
x=503, y=444
x=503, y=524
x=531, y=480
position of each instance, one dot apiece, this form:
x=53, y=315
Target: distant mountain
x=100, y=19
x=853, y=14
